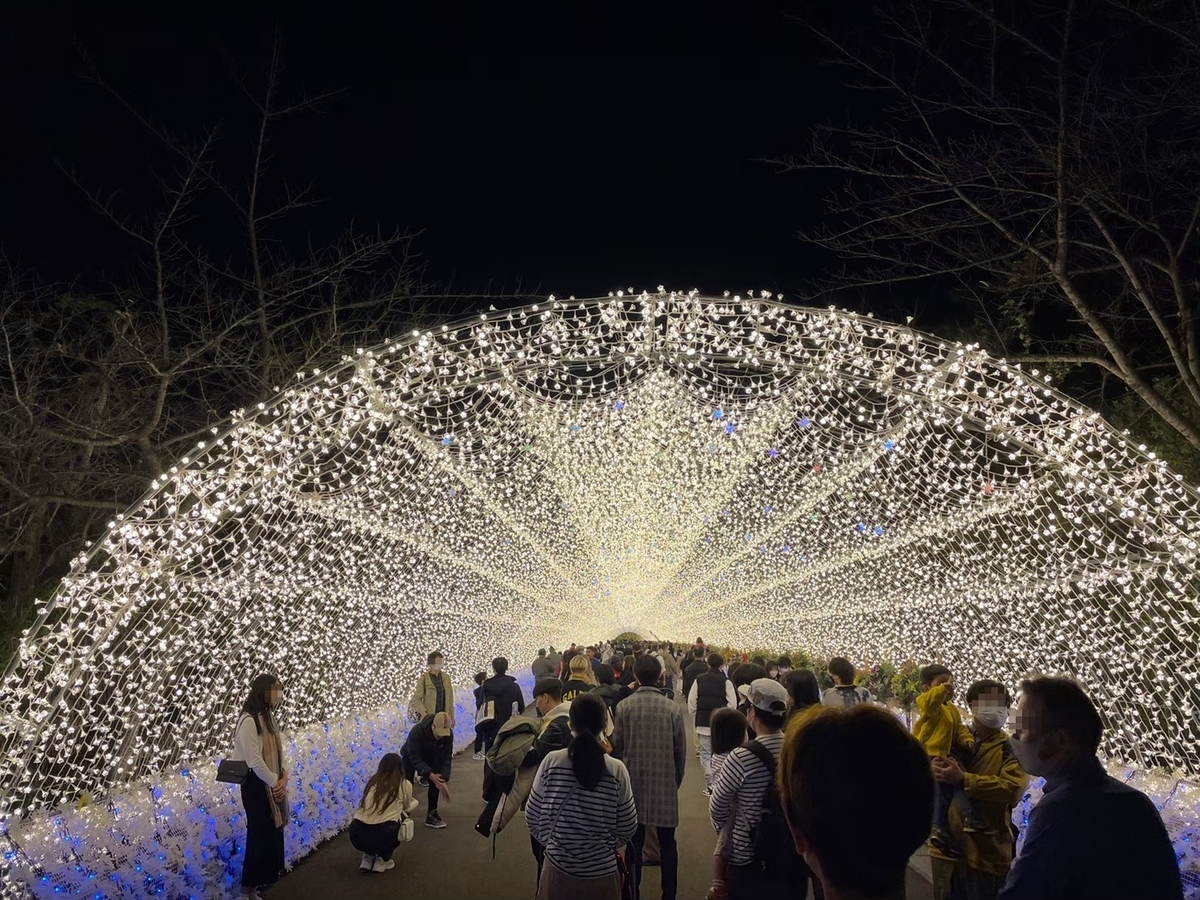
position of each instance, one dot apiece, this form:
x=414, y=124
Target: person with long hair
x=580, y=811
x=803, y=691
x=257, y=742
x=386, y=802
x=581, y=679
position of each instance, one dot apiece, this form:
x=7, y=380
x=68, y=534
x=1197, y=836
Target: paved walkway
x=455, y=863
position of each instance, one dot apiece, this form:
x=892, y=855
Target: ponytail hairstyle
x=587, y=756
x=386, y=783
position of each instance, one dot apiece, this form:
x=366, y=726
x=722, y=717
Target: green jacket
x=994, y=782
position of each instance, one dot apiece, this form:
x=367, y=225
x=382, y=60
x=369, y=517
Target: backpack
x=513, y=741
x=774, y=849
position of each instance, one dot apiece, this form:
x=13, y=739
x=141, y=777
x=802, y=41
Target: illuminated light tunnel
x=665, y=463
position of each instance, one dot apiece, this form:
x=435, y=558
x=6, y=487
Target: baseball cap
x=766, y=694
x=441, y=725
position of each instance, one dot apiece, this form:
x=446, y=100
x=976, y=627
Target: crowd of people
x=809, y=792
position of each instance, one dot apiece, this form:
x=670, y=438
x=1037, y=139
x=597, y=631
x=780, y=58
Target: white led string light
x=664, y=463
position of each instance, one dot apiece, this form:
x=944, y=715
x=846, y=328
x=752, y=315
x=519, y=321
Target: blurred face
x=275, y=695
x=1039, y=748
x=436, y=665
x=990, y=708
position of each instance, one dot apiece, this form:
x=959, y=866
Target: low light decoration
x=578, y=468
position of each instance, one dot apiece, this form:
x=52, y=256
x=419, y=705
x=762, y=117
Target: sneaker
x=433, y=820
x=477, y=756
x=382, y=866
x=368, y=862
x=707, y=792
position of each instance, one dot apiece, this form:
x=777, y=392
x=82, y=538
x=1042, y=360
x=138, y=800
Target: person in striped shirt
x=737, y=793
x=581, y=811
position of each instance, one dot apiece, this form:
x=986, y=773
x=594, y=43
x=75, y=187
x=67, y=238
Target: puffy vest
x=710, y=696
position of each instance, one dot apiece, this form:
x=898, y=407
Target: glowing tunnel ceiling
x=669, y=464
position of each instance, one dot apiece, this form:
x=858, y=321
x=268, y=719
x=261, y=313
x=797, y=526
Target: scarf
x=272, y=751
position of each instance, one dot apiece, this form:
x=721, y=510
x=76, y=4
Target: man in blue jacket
x=1090, y=835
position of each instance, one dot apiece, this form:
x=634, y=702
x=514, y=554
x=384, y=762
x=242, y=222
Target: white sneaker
x=368, y=862
x=381, y=866
x=477, y=756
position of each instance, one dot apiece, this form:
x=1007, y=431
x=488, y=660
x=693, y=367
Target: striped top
x=581, y=829
x=737, y=795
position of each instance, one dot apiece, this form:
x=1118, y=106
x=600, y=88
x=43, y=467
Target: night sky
x=562, y=171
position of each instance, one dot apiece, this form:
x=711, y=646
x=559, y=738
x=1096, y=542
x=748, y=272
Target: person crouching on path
x=257, y=742
x=581, y=812
x=386, y=802
x=427, y=752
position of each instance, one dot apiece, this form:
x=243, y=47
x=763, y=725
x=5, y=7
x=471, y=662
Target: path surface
x=455, y=863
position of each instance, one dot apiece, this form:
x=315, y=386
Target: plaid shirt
x=650, y=740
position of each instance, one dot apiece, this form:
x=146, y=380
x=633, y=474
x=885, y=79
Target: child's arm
x=931, y=700
x=962, y=734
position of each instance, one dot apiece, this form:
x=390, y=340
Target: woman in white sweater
x=386, y=802
x=258, y=743
x=581, y=811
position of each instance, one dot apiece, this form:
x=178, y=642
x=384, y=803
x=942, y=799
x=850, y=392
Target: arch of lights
x=667, y=463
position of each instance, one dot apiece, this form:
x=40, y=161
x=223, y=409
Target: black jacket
x=425, y=754
x=573, y=688
x=505, y=691
x=694, y=670
x=612, y=694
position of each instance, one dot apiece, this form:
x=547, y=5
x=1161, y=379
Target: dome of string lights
x=665, y=463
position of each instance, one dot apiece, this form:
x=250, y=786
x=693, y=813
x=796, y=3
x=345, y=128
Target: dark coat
x=691, y=672
x=424, y=754
x=505, y=691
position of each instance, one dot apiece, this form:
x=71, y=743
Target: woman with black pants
x=427, y=752
x=258, y=743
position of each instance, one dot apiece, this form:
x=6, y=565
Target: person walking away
x=580, y=679
x=803, y=691
x=386, y=802
x=839, y=768
x=542, y=666
x=257, y=743
x=693, y=670
x=427, y=752
x=1090, y=835
x=504, y=691
x=608, y=690
x=628, y=679
x=728, y=729
x=554, y=734
x=650, y=739
x=739, y=796
x=554, y=658
x=581, y=811
x=710, y=692
x=481, y=730
x=433, y=692
x=746, y=675
x=844, y=691
x=993, y=781
x=940, y=730
x=672, y=673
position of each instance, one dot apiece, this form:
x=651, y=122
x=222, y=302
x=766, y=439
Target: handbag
x=485, y=713
x=407, y=827
x=233, y=771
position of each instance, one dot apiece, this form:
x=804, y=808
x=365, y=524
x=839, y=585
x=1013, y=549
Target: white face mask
x=1027, y=755
x=991, y=716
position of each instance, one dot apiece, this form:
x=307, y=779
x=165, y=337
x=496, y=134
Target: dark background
x=611, y=159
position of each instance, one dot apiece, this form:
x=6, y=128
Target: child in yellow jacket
x=940, y=730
